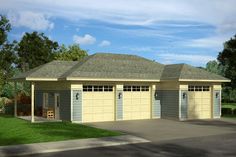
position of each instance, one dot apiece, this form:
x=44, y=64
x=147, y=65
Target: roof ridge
x=181, y=69
x=80, y=62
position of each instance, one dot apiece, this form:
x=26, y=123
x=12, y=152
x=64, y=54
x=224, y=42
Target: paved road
x=212, y=138
x=211, y=146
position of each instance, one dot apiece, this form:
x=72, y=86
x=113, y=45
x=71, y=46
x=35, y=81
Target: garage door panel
x=87, y=95
x=98, y=106
x=206, y=101
x=145, y=101
x=136, y=104
x=199, y=104
x=145, y=94
x=191, y=95
x=198, y=95
x=206, y=95
x=136, y=95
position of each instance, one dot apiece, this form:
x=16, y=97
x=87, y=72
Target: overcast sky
x=168, y=31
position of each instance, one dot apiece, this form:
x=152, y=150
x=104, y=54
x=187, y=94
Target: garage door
x=137, y=100
x=199, y=102
x=98, y=103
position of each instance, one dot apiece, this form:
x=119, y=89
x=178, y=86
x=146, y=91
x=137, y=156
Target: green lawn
x=17, y=131
x=229, y=105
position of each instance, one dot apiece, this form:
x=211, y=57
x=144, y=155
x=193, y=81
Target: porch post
x=15, y=99
x=32, y=102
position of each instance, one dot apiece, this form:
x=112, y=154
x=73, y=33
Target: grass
x=229, y=105
x=16, y=131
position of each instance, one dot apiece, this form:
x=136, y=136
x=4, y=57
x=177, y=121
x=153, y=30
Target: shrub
x=226, y=111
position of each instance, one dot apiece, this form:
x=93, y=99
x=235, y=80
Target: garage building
x=113, y=87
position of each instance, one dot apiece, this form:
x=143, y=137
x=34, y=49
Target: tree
x=5, y=27
x=227, y=58
x=7, y=53
x=215, y=67
x=35, y=49
x=72, y=53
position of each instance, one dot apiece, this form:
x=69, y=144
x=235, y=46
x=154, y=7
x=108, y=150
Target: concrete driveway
x=157, y=130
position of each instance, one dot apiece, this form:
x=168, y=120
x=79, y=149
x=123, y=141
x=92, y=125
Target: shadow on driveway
x=217, y=123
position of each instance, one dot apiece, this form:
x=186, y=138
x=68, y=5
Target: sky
x=167, y=31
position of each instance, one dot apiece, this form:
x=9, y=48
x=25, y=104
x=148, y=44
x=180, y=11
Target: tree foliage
x=227, y=58
x=7, y=53
x=35, y=49
x=72, y=53
x=5, y=27
x=215, y=67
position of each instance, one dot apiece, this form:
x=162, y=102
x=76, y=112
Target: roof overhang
x=41, y=79
x=109, y=79
x=197, y=80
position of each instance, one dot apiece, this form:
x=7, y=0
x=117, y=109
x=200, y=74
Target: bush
x=9, y=109
x=228, y=112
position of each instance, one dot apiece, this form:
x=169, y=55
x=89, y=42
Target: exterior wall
x=119, y=102
x=216, y=94
x=156, y=102
x=51, y=88
x=215, y=104
x=169, y=96
x=76, y=105
x=154, y=109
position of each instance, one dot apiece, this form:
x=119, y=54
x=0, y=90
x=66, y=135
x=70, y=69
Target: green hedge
x=228, y=111
x=22, y=109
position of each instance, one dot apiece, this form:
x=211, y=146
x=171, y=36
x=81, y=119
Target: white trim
x=220, y=103
x=32, y=101
x=104, y=79
x=197, y=80
x=82, y=106
x=180, y=98
x=71, y=105
x=40, y=79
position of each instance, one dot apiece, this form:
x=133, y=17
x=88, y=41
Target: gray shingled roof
x=52, y=69
x=117, y=66
x=104, y=65
x=184, y=71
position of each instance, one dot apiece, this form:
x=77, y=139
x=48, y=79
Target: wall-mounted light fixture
x=120, y=95
x=217, y=95
x=184, y=95
x=77, y=96
x=156, y=95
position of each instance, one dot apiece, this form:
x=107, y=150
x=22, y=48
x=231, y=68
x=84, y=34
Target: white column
x=32, y=102
x=15, y=99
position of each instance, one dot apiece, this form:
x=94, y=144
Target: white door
x=57, y=106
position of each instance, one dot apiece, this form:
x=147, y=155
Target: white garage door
x=199, y=102
x=137, y=100
x=98, y=103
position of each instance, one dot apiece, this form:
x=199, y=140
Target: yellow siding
x=217, y=87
